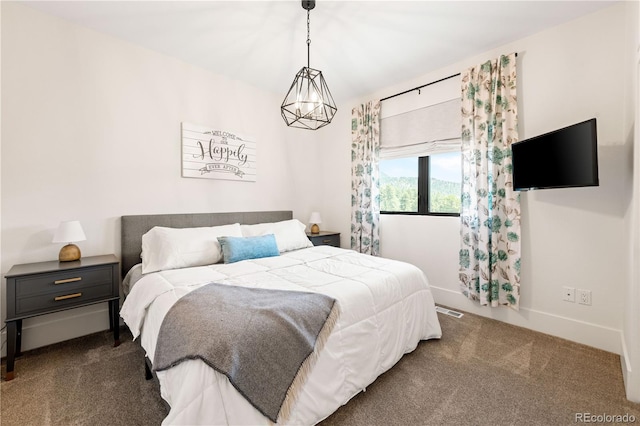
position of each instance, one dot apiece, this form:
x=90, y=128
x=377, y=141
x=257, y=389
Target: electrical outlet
x=584, y=297
x=569, y=294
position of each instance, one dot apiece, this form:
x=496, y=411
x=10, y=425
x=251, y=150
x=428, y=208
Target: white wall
x=573, y=237
x=630, y=358
x=2, y=308
x=91, y=131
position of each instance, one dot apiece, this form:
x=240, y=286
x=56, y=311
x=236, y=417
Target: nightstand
x=325, y=238
x=43, y=288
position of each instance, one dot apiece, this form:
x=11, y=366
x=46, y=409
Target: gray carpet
x=84, y=381
x=481, y=372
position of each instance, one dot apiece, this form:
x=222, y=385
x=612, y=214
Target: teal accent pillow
x=235, y=249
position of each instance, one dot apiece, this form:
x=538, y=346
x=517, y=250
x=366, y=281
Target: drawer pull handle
x=67, y=296
x=68, y=280
x=326, y=241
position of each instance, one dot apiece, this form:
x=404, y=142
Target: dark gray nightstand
x=42, y=288
x=325, y=238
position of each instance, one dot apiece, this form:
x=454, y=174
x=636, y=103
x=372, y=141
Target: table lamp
x=69, y=232
x=315, y=220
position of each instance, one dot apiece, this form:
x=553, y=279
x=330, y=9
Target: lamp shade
x=69, y=232
x=315, y=218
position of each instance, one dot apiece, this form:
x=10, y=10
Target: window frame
x=424, y=182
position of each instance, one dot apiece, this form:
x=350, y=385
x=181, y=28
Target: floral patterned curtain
x=490, y=216
x=365, y=184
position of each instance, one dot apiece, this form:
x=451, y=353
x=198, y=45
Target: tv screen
x=563, y=158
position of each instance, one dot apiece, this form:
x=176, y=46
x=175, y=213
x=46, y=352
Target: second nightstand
x=325, y=238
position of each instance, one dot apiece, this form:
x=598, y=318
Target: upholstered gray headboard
x=133, y=227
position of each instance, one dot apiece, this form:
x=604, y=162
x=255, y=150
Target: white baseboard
x=58, y=327
x=631, y=380
x=605, y=338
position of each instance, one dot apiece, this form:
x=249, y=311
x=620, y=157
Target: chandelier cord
x=308, y=40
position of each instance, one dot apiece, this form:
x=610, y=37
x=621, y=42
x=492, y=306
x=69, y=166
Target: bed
x=384, y=309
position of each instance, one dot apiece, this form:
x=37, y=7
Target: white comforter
x=386, y=309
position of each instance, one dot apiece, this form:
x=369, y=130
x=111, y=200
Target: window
x=420, y=152
x=429, y=185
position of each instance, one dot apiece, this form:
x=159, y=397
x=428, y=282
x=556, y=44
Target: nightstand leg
x=111, y=315
x=115, y=321
x=12, y=337
x=19, y=338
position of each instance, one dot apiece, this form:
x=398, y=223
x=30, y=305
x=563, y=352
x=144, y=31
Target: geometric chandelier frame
x=308, y=103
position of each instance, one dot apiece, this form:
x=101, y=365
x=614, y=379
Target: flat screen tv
x=564, y=158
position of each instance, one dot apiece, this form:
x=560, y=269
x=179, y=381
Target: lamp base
x=315, y=229
x=68, y=253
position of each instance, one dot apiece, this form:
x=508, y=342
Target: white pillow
x=172, y=248
x=289, y=234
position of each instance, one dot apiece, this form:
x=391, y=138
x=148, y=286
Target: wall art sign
x=217, y=154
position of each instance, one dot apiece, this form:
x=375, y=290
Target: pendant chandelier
x=308, y=104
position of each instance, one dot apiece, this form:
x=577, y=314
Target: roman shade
x=428, y=130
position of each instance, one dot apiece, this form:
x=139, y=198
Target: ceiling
x=360, y=46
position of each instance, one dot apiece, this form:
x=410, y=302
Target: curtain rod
x=424, y=85
x=419, y=87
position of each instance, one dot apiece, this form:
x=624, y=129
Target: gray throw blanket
x=264, y=341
